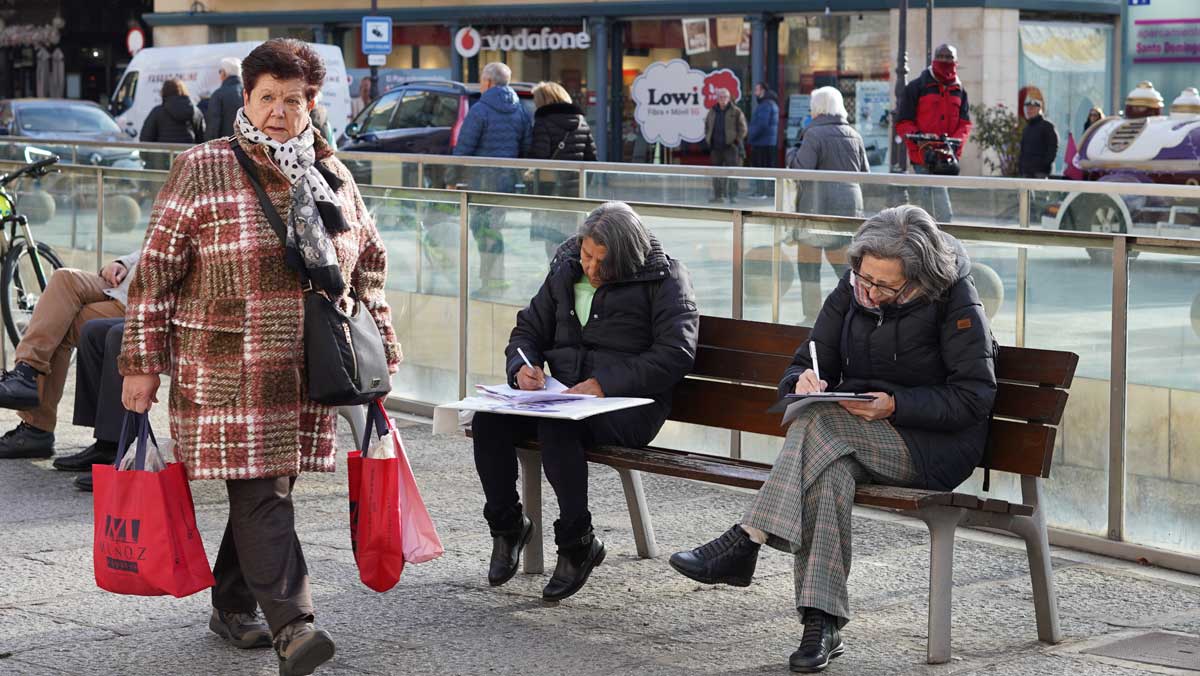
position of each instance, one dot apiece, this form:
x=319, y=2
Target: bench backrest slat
x=755, y=354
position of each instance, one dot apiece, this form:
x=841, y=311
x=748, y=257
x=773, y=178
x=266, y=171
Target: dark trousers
x=97, y=380
x=726, y=156
x=260, y=563
x=563, y=443
x=763, y=156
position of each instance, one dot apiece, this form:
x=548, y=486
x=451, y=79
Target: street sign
x=135, y=40
x=376, y=59
x=1134, y=3
x=377, y=35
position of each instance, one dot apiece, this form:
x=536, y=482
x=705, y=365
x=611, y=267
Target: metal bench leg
x=356, y=416
x=639, y=513
x=531, y=497
x=1041, y=571
x=942, y=522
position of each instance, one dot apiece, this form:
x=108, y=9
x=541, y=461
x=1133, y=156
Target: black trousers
x=563, y=443
x=97, y=380
x=763, y=156
x=260, y=563
x=726, y=156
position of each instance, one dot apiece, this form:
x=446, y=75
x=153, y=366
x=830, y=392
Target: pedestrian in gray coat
x=225, y=101
x=829, y=144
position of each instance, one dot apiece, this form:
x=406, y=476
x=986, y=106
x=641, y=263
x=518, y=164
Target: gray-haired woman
x=906, y=326
x=615, y=317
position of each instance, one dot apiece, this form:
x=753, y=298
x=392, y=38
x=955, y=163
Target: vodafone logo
x=468, y=42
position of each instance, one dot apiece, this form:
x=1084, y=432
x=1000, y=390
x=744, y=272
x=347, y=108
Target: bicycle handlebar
x=38, y=169
x=934, y=138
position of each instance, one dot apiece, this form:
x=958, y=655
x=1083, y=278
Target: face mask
x=945, y=71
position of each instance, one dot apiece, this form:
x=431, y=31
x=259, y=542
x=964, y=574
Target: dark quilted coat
x=560, y=132
x=175, y=120
x=496, y=126
x=936, y=357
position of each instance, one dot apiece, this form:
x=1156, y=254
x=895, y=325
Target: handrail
x=886, y=179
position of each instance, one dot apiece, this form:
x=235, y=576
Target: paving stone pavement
x=634, y=617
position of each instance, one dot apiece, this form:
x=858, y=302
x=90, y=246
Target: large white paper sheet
x=553, y=392
x=450, y=418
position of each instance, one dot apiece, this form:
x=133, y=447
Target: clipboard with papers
x=551, y=402
x=792, y=404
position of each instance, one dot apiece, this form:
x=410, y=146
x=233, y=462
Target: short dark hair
x=173, y=87
x=285, y=59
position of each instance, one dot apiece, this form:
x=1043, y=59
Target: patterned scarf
x=307, y=235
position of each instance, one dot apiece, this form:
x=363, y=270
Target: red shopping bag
x=389, y=524
x=145, y=537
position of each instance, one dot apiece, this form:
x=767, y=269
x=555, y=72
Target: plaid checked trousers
x=805, y=504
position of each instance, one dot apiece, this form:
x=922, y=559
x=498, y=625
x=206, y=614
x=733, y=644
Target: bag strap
x=377, y=419
x=268, y=208
x=561, y=144
x=142, y=420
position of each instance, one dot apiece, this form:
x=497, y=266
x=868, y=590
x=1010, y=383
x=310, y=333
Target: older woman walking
x=830, y=144
x=217, y=303
x=615, y=317
x=906, y=326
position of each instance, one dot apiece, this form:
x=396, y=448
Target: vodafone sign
x=672, y=99
x=469, y=41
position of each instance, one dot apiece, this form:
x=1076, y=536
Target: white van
x=196, y=65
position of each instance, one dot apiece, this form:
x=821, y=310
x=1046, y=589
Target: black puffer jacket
x=936, y=358
x=563, y=123
x=176, y=120
x=639, y=342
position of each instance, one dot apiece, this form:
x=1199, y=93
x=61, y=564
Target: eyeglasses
x=883, y=291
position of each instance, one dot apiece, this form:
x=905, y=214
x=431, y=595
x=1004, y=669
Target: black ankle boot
x=821, y=642
x=18, y=388
x=576, y=560
x=730, y=559
x=506, y=551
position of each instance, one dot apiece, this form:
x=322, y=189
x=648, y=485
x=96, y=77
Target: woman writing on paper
x=906, y=326
x=615, y=317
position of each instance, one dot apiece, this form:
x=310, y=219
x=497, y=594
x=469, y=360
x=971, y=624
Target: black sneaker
x=83, y=482
x=26, y=441
x=242, y=630
x=821, y=642
x=99, y=453
x=18, y=388
x=730, y=559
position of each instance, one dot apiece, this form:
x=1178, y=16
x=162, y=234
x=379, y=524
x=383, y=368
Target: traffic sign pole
x=376, y=42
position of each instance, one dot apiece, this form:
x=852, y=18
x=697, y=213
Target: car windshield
x=65, y=117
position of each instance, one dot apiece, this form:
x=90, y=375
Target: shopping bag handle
x=142, y=420
x=378, y=419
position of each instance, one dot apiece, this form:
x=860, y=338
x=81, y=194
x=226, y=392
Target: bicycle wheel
x=19, y=288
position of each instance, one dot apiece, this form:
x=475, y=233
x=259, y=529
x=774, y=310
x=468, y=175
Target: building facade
x=792, y=46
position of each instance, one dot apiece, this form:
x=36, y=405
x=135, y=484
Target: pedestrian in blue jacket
x=764, y=133
x=496, y=126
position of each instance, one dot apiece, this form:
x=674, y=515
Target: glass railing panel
x=726, y=191
x=61, y=209
x=1085, y=211
x=421, y=237
x=384, y=170
x=128, y=203
x=1162, y=434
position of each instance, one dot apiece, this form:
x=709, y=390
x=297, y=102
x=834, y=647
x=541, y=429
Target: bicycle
x=939, y=151
x=23, y=276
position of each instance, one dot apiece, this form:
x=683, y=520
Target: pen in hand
x=533, y=370
x=812, y=354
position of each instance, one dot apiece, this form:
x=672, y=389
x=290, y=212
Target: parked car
x=422, y=116
x=65, y=120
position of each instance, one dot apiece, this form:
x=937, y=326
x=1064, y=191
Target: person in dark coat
x=225, y=102
x=724, y=133
x=830, y=144
x=560, y=132
x=175, y=120
x=615, y=317
x=1094, y=115
x=905, y=326
x=495, y=126
x=763, y=137
x=1039, y=143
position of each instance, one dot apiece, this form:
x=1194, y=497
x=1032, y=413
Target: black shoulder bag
x=343, y=353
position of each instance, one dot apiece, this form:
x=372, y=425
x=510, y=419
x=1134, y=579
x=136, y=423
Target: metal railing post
x=738, y=254
x=420, y=174
x=583, y=184
x=1022, y=268
x=1118, y=389
x=99, y=220
x=464, y=297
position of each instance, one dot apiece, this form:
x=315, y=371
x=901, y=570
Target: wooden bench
x=738, y=365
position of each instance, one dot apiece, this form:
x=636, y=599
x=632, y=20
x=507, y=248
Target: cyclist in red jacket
x=935, y=103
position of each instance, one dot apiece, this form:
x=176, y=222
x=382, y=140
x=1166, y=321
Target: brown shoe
x=302, y=648
x=244, y=630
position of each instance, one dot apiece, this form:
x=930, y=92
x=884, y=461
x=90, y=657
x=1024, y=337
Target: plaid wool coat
x=214, y=305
